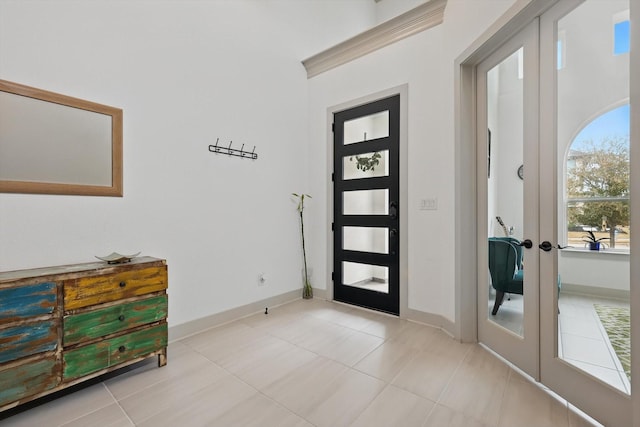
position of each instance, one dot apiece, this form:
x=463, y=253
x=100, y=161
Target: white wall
x=424, y=62
x=188, y=72
x=185, y=73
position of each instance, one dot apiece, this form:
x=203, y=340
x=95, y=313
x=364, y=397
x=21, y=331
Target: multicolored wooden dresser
x=63, y=325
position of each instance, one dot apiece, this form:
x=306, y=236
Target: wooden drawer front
x=28, y=379
x=25, y=340
x=94, y=357
x=88, y=291
x=27, y=301
x=106, y=321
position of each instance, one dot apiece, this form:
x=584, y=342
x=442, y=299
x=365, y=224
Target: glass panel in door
x=505, y=102
x=365, y=202
x=366, y=276
x=593, y=191
x=372, y=126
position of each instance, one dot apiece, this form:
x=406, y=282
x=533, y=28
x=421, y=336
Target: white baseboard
x=184, y=330
x=431, y=319
x=192, y=327
x=595, y=291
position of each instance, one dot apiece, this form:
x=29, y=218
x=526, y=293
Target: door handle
x=527, y=243
x=545, y=246
x=393, y=233
x=393, y=210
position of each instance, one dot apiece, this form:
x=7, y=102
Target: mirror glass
x=54, y=144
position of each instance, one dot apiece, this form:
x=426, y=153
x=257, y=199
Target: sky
x=614, y=123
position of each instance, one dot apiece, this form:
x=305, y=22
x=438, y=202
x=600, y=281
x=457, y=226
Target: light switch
x=429, y=204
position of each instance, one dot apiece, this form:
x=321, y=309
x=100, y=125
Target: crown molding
x=418, y=19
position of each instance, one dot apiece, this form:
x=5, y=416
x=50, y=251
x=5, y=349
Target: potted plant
x=365, y=163
x=307, y=290
x=594, y=243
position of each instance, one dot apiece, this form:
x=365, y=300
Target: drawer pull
x=123, y=284
x=121, y=349
x=121, y=318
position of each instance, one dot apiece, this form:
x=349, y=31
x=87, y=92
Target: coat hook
x=233, y=151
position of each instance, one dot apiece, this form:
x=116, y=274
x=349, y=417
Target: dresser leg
x=162, y=357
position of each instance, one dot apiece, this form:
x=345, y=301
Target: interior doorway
x=558, y=272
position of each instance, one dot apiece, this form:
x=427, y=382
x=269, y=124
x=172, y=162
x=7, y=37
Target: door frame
x=403, y=91
x=511, y=22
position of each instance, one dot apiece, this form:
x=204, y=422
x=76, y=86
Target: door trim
x=403, y=91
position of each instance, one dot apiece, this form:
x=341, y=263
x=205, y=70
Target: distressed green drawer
x=26, y=380
x=111, y=320
x=27, y=339
x=22, y=302
x=104, y=354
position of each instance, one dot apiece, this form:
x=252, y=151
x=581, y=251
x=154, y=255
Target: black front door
x=366, y=228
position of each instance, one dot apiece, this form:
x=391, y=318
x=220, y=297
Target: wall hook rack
x=234, y=151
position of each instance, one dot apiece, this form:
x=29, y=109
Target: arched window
x=597, y=182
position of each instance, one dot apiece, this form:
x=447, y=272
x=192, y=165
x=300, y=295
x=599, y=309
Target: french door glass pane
x=505, y=106
x=366, y=239
x=593, y=191
x=366, y=276
x=365, y=202
x=366, y=128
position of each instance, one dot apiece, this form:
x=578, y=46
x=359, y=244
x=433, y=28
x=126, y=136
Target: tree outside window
x=598, y=189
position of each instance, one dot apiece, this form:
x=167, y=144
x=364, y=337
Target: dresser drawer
x=27, y=339
x=22, y=302
x=87, y=291
x=93, y=324
x=28, y=379
x=104, y=354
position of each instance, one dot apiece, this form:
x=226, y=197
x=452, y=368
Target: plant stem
x=304, y=252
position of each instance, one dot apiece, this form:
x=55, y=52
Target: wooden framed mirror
x=56, y=144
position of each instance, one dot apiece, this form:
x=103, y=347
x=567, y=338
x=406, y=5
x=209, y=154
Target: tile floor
x=582, y=341
x=311, y=363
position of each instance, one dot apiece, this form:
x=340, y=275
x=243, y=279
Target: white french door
x=585, y=77
x=536, y=96
x=507, y=84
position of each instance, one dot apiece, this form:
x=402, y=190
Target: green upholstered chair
x=504, y=263
x=517, y=244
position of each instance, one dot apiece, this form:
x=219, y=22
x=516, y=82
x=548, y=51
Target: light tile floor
x=311, y=363
x=582, y=339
